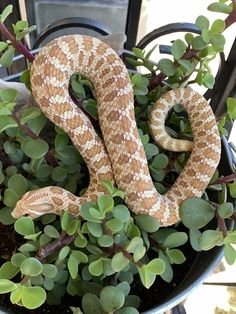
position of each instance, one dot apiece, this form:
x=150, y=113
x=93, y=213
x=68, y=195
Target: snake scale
x=121, y=158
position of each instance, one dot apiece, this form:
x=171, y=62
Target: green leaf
x=229, y=253
x=194, y=235
x=96, y=267
x=218, y=41
x=17, y=259
x=186, y=64
x=94, y=228
x=206, y=35
x=133, y=231
x=27, y=247
x=124, y=287
x=84, y=212
x=140, y=90
x=156, y=266
x=18, y=183
x=6, y=12
x=151, y=150
x=24, y=226
x=8, y=271
x=8, y=94
x=208, y=80
x=231, y=107
x=147, y=277
x=209, y=239
x=127, y=310
x=25, y=78
x=147, y=223
x=7, y=57
x=189, y=38
x=7, y=122
x=73, y=266
x=195, y=213
x=105, y=203
x=7, y=286
x=5, y=216
x=91, y=304
x=114, y=225
x=198, y=43
x=63, y=253
x=119, y=262
x=30, y=114
x=176, y=256
x=167, y=275
x=138, y=52
x=160, y=161
x=61, y=141
x=59, y=174
x=230, y=237
x=80, y=241
x=167, y=67
x=219, y=7
x=20, y=25
x=51, y=232
x=10, y=198
x=134, y=242
x=175, y=239
x=35, y=148
x=49, y=270
x=31, y=267
x=33, y=297
x=178, y=49
x=16, y=295
x=9, y=148
x=202, y=22
x=111, y=298
x=3, y=45
x=105, y=240
x=225, y=210
x=121, y=212
x=218, y=26
x=232, y=189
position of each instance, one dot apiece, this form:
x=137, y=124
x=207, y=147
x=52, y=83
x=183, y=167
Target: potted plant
x=107, y=260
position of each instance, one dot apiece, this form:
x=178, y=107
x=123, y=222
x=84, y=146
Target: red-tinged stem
x=16, y=43
x=226, y=179
x=231, y=18
x=56, y=245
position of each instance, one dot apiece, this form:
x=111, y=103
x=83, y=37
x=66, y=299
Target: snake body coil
x=121, y=158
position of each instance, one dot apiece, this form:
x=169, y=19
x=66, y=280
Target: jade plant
x=100, y=257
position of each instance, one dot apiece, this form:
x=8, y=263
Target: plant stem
x=56, y=245
x=231, y=18
x=226, y=179
x=222, y=225
x=49, y=156
x=16, y=43
x=120, y=248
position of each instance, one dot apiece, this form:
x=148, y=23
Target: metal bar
x=132, y=22
x=72, y=22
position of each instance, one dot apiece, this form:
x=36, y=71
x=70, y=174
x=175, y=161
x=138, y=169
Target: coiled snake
x=121, y=158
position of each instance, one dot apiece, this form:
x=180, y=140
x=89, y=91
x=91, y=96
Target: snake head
x=34, y=204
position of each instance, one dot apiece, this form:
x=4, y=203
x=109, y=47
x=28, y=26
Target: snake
x=120, y=156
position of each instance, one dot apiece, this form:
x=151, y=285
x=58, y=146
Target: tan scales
x=121, y=158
